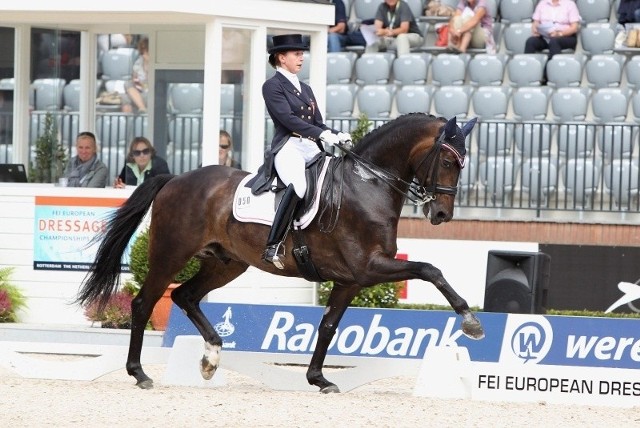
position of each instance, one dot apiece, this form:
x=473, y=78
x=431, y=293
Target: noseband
x=418, y=193
x=424, y=193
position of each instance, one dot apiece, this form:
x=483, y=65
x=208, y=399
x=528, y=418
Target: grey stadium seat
x=373, y=69
x=375, y=101
x=340, y=101
x=604, y=71
x=449, y=101
x=117, y=64
x=621, y=180
x=71, y=95
x=516, y=11
x=594, y=10
x=186, y=98
x=340, y=67
x=581, y=177
x=491, y=103
x=411, y=69
x=609, y=106
x=498, y=175
x=487, y=70
x=515, y=37
x=413, y=99
x=48, y=93
x=597, y=38
x=632, y=72
x=565, y=70
x=365, y=9
x=570, y=104
x=526, y=69
x=531, y=104
x=447, y=69
x=227, y=99
x=539, y=177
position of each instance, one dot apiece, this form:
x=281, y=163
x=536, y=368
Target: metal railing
x=529, y=170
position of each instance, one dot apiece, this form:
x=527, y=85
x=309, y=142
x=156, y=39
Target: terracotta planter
x=160, y=314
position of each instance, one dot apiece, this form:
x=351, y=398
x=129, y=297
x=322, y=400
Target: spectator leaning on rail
x=85, y=169
x=471, y=26
x=396, y=27
x=555, y=27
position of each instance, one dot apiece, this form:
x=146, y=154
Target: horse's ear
x=466, y=129
x=450, y=128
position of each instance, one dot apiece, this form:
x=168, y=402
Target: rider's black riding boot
x=284, y=216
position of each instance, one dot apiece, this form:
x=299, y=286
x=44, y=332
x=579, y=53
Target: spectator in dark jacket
x=628, y=11
x=142, y=163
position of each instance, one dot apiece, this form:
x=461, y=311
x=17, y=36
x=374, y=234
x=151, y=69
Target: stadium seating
x=340, y=66
x=597, y=38
x=487, y=70
x=526, y=69
x=449, y=69
x=621, y=181
x=565, y=70
x=375, y=101
x=411, y=69
x=604, y=71
x=413, y=98
x=516, y=11
x=498, y=176
x=373, y=69
x=581, y=177
x=515, y=36
x=594, y=10
x=539, y=177
x=340, y=100
x=450, y=101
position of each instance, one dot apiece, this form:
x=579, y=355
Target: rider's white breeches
x=290, y=162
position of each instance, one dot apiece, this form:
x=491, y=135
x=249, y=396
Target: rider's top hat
x=287, y=42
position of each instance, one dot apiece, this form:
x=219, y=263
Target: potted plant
x=139, y=265
x=50, y=154
x=11, y=298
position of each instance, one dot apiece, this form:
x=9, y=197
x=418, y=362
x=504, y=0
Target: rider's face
x=291, y=61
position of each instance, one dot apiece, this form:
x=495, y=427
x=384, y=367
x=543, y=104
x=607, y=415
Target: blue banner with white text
x=400, y=333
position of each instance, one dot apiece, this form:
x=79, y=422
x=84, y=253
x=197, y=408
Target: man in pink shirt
x=555, y=27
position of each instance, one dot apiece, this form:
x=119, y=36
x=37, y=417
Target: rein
x=419, y=194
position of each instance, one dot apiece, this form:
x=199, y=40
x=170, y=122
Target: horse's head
x=439, y=178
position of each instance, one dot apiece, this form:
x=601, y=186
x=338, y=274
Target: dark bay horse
x=192, y=216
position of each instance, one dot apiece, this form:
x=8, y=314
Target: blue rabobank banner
x=397, y=333
x=387, y=333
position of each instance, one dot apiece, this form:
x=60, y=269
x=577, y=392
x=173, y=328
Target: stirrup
x=274, y=258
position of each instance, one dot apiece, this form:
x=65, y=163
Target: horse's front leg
x=339, y=300
x=393, y=270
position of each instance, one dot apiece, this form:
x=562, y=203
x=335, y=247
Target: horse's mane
x=397, y=125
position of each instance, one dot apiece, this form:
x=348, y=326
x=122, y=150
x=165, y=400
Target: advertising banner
x=64, y=228
x=396, y=333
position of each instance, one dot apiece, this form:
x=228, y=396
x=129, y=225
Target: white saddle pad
x=250, y=208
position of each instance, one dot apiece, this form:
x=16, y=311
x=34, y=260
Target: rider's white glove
x=344, y=137
x=329, y=138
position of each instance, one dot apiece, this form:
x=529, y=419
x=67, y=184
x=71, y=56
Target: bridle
x=418, y=193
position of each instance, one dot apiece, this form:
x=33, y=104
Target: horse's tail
x=103, y=278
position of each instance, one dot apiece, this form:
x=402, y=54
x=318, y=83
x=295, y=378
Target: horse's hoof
x=207, y=370
x=145, y=384
x=330, y=389
x=471, y=327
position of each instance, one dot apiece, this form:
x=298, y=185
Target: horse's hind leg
x=213, y=274
x=141, y=308
x=337, y=304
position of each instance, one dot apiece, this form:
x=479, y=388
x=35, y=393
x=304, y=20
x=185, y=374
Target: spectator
x=136, y=89
x=338, y=32
x=142, y=163
x=471, y=26
x=555, y=27
x=628, y=11
x=396, y=27
x=225, y=151
x=85, y=169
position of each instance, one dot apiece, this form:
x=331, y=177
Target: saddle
x=261, y=208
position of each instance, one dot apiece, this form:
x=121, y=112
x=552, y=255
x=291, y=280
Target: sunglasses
x=224, y=146
x=141, y=152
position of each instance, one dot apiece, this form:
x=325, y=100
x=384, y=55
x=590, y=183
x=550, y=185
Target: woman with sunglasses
x=142, y=163
x=225, y=151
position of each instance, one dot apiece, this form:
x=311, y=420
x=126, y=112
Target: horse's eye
x=446, y=163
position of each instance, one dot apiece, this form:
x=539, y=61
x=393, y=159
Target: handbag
x=443, y=36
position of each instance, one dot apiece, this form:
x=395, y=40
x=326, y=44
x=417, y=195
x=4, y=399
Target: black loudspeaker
x=517, y=282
